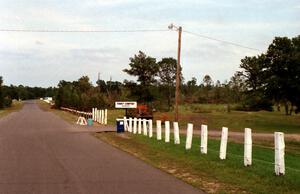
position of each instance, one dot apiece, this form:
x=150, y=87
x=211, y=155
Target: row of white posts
x=135, y=125
x=80, y=113
x=99, y=116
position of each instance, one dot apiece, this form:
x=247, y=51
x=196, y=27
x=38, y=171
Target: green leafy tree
x=282, y=71
x=145, y=69
x=167, y=69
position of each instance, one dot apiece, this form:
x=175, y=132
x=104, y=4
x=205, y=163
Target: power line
x=223, y=41
x=125, y=31
x=82, y=31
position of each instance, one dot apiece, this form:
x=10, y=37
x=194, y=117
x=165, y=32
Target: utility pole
x=179, y=29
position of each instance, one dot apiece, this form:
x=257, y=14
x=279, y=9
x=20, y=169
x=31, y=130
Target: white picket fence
x=136, y=126
x=79, y=113
x=99, y=116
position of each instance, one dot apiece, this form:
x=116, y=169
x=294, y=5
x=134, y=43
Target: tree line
x=8, y=93
x=271, y=78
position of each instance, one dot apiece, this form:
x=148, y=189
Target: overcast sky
x=42, y=59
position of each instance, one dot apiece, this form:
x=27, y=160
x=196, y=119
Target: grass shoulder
x=68, y=117
x=209, y=173
x=16, y=106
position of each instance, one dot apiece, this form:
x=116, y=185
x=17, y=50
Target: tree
x=282, y=71
x=146, y=69
x=167, y=69
x=254, y=75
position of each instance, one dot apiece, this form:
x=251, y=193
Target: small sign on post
x=126, y=104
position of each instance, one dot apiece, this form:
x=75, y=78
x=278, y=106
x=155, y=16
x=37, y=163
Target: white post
x=140, y=126
x=102, y=118
x=279, y=153
x=247, y=147
x=158, y=129
x=150, y=128
x=223, y=145
x=167, y=131
x=125, y=124
x=134, y=125
x=95, y=114
x=145, y=132
x=99, y=116
x=105, y=117
x=93, y=111
x=189, y=137
x=203, y=146
x=176, y=133
x=130, y=125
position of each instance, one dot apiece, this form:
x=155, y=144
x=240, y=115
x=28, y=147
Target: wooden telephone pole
x=178, y=73
x=178, y=69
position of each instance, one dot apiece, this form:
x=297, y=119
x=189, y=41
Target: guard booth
x=123, y=105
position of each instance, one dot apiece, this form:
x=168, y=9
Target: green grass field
x=216, y=116
x=208, y=171
x=16, y=106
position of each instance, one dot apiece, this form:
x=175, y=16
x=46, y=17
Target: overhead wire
x=128, y=31
x=82, y=31
x=222, y=41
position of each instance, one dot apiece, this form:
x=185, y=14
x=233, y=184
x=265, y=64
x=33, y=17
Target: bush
x=7, y=102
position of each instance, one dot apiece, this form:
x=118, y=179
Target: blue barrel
x=120, y=125
x=90, y=122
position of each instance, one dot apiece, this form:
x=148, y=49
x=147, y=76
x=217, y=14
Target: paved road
x=40, y=153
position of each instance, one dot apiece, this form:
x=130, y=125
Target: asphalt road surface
x=41, y=153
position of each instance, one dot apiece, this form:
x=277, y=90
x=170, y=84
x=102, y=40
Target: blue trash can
x=120, y=125
x=90, y=122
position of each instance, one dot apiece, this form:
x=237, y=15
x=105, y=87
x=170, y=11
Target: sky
x=43, y=59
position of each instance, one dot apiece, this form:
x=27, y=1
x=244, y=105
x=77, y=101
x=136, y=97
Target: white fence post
x=134, y=125
x=99, y=115
x=204, y=133
x=145, y=131
x=130, y=125
x=102, y=118
x=140, y=126
x=223, y=145
x=93, y=111
x=167, y=131
x=95, y=114
x=189, y=136
x=105, y=117
x=248, y=147
x=279, y=153
x=176, y=133
x=125, y=124
x=158, y=129
x=150, y=128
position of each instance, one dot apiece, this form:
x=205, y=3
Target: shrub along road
x=41, y=153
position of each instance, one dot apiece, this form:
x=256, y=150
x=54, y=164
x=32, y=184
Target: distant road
x=40, y=153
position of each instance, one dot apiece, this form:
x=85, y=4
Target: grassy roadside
x=68, y=117
x=16, y=106
x=207, y=171
x=216, y=117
